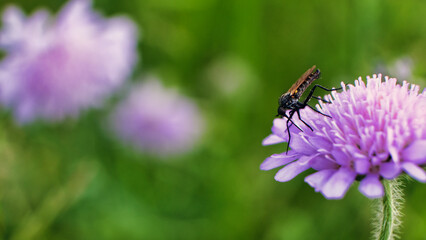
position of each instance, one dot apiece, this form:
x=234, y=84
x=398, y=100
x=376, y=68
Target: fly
x=290, y=99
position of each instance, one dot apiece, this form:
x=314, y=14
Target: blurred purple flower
x=376, y=132
x=54, y=69
x=157, y=121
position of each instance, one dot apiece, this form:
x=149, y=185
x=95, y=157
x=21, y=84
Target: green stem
x=388, y=213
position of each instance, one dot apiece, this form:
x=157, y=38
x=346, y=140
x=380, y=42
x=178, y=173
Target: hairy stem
x=388, y=212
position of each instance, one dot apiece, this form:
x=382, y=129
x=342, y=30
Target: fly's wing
x=294, y=89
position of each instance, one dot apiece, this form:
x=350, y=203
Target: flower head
x=376, y=131
x=157, y=121
x=56, y=67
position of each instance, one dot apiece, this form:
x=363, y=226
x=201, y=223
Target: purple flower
x=157, y=121
x=56, y=68
x=377, y=131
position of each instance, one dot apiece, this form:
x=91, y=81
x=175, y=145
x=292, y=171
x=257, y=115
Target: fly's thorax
x=286, y=102
x=284, y=99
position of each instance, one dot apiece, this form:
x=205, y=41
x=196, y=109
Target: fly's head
x=286, y=102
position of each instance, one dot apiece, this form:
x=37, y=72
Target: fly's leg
x=315, y=110
x=311, y=93
x=320, y=99
x=288, y=127
x=298, y=115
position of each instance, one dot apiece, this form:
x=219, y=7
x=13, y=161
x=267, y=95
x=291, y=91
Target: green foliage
x=73, y=180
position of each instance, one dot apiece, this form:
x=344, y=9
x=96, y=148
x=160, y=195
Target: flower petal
x=389, y=170
x=279, y=128
x=272, y=139
x=307, y=159
x=362, y=166
x=321, y=143
x=290, y=171
x=278, y=160
x=416, y=152
x=393, y=151
x=371, y=186
x=341, y=157
x=338, y=184
x=299, y=144
x=318, y=179
x=321, y=163
x=414, y=171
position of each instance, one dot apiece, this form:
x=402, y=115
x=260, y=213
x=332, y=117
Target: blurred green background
x=72, y=180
